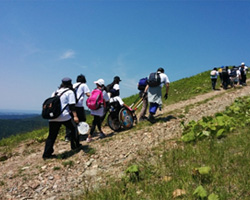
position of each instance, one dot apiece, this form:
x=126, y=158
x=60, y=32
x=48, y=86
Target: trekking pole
x=138, y=103
x=134, y=102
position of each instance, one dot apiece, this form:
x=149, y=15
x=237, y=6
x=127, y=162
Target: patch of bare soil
x=26, y=175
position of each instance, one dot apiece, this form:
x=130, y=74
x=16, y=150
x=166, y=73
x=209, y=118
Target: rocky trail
x=26, y=175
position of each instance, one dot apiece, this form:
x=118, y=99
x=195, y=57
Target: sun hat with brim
x=100, y=82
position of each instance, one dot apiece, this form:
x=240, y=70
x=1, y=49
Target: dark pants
x=226, y=82
x=96, y=122
x=81, y=116
x=54, y=128
x=243, y=79
x=213, y=83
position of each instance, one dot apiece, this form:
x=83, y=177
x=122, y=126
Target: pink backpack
x=95, y=100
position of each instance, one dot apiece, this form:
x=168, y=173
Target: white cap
x=99, y=82
x=242, y=63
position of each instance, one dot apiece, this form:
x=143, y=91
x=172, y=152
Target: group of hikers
x=229, y=76
x=70, y=111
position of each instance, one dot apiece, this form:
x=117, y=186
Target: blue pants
x=153, y=108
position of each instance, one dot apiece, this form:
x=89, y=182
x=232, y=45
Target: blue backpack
x=142, y=83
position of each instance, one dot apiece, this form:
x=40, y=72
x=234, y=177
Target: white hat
x=99, y=82
x=242, y=63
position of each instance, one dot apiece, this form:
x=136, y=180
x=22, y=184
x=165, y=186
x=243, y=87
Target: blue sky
x=43, y=41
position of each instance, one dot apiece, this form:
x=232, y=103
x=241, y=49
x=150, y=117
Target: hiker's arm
x=87, y=94
x=73, y=110
x=167, y=87
x=146, y=89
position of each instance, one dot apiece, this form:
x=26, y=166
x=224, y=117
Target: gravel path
x=26, y=175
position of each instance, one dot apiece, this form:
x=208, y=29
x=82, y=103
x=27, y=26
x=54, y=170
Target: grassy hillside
x=183, y=89
x=210, y=161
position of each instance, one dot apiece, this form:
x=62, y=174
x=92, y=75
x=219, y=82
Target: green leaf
x=204, y=170
x=200, y=192
x=220, y=133
x=213, y=197
x=205, y=133
x=190, y=136
x=220, y=120
x=132, y=169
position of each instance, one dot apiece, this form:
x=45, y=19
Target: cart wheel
x=114, y=123
x=126, y=118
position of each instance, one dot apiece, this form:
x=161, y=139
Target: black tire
x=113, y=123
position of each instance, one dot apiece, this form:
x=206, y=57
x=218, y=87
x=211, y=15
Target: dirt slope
x=27, y=176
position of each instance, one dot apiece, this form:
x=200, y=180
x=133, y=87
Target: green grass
x=174, y=169
x=209, y=168
x=182, y=89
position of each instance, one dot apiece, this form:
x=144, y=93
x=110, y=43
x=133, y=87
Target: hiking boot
x=102, y=135
x=89, y=140
x=151, y=118
x=49, y=157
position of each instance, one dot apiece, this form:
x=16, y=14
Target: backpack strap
x=77, y=99
x=60, y=96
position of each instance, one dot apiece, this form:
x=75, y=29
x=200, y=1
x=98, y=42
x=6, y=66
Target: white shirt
x=117, y=98
x=164, y=79
x=81, y=91
x=116, y=86
x=100, y=111
x=237, y=73
x=66, y=98
x=216, y=74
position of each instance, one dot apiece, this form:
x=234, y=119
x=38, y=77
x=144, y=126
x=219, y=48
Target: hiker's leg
x=144, y=108
x=98, y=123
x=53, y=132
x=81, y=114
x=70, y=124
x=94, y=123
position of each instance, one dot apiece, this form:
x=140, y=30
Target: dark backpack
x=233, y=73
x=52, y=107
x=109, y=87
x=224, y=73
x=142, y=83
x=154, y=79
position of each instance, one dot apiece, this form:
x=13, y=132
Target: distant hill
x=16, y=116
x=12, y=124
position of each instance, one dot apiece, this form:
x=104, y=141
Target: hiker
x=99, y=112
x=154, y=92
x=220, y=75
x=225, y=77
x=234, y=76
x=213, y=75
x=243, y=74
x=68, y=103
x=141, y=87
x=81, y=89
x=114, y=91
x=107, y=104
